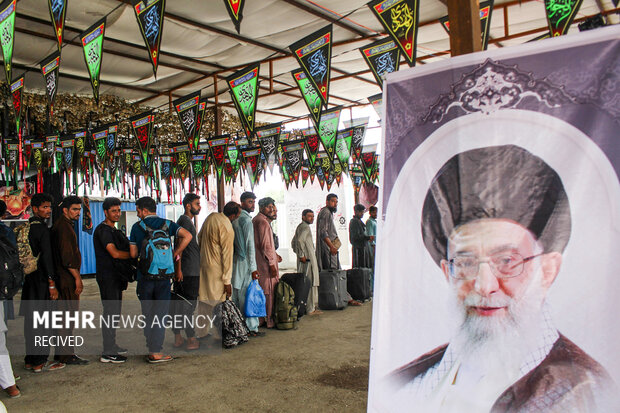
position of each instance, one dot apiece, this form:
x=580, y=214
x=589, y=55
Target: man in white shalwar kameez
x=303, y=246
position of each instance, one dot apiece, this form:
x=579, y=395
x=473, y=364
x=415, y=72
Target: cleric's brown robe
x=566, y=380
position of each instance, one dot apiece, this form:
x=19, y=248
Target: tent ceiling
x=200, y=46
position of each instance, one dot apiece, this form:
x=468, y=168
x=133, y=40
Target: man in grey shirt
x=187, y=279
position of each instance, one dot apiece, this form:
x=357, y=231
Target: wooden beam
x=464, y=17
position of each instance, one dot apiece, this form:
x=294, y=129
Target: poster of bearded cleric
x=498, y=268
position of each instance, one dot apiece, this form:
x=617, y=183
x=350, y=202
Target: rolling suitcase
x=359, y=283
x=301, y=286
x=333, y=289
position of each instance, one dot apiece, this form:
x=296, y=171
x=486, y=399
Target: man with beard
x=303, y=246
x=496, y=221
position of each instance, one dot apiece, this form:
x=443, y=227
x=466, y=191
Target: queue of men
x=193, y=270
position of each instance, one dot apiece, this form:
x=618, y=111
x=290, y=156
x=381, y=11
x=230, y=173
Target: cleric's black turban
x=496, y=182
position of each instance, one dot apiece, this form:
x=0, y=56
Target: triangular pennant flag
x=218, y=146
x=337, y=173
x=58, y=11
x=486, y=9
x=343, y=147
x=166, y=166
x=79, y=140
x=200, y=121
x=542, y=36
x=187, y=108
x=181, y=158
x=38, y=147
x=310, y=95
x=100, y=137
x=314, y=54
x=50, y=67
x=92, y=43
x=67, y=153
x=328, y=128
x=142, y=126
x=359, y=132
x=320, y=175
x=7, y=35
x=325, y=161
x=356, y=179
x=50, y=148
x=150, y=16
x=268, y=139
x=375, y=172
x=377, y=101
x=312, y=143
x=368, y=161
x=252, y=158
x=560, y=15
x=17, y=96
x=243, y=86
x=400, y=19
x=111, y=142
x=232, y=155
x=198, y=165
x=305, y=173
x=235, y=10
x=382, y=57
x=294, y=153
x=228, y=171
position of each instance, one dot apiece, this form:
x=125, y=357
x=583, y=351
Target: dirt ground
x=322, y=366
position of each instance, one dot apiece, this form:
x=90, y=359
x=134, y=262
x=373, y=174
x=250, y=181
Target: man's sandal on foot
x=158, y=358
x=13, y=391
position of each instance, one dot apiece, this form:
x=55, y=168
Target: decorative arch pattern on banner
x=218, y=146
x=310, y=95
x=486, y=9
x=150, y=17
x=560, y=15
x=49, y=68
x=58, y=11
x=382, y=57
x=235, y=11
x=314, y=54
x=187, y=108
x=92, y=43
x=268, y=138
x=243, y=86
x=328, y=128
x=142, y=126
x=400, y=19
x=7, y=35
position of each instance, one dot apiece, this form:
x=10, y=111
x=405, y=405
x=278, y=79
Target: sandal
x=55, y=365
x=159, y=358
x=38, y=369
x=13, y=391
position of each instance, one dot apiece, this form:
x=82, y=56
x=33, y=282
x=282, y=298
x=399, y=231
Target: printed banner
x=232, y=155
x=490, y=207
x=200, y=121
x=359, y=133
x=50, y=148
x=486, y=9
x=150, y=16
x=198, y=165
x=313, y=145
x=37, y=151
x=268, y=139
x=314, y=54
x=244, y=92
x=305, y=173
x=100, y=138
x=49, y=68
x=218, y=146
x=252, y=158
x=17, y=97
x=343, y=147
x=560, y=15
x=142, y=126
x=400, y=19
x=180, y=152
x=382, y=57
x=187, y=108
x=294, y=154
x=235, y=11
x=58, y=11
x=377, y=101
x=92, y=43
x=368, y=161
x=66, y=146
x=111, y=139
x=310, y=95
x=7, y=35
x=328, y=129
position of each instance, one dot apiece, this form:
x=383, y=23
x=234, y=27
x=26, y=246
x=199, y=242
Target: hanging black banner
x=314, y=54
x=235, y=11
x=150, y=16
x=486, y=9
x=294, y=154
x=111, y=142
x=400, y=19
x=58, y=11
x=382, y=57
x=187, y=108
x=268, y=139
x=49, y=67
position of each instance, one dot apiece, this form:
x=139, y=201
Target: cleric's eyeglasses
x=503, y=265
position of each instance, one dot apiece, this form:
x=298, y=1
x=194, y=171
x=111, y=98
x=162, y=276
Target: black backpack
x=125, y=269
x=11, y=270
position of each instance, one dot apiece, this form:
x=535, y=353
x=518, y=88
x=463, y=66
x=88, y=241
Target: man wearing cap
x=496, y=220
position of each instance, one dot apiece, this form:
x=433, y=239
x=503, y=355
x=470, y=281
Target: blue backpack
x=156, y=261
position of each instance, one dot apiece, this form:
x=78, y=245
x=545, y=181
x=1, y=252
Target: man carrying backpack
x=34, y=245
x=150, y=242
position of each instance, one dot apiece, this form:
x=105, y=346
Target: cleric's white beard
x=493, y=343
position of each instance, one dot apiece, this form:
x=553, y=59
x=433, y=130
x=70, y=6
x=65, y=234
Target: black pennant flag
x=268, y=139
x=486, y=9
x=111, y=142
x=314, y=54
x=200, y=121
x=187, y=108
x=244, y=92
x=49, y=67
x=235, y=10
x=92, y=43
x=382, y=57
x=150, y=16
x=58, y=11
x=560, y=15
x=294, y=154
x=400, y=19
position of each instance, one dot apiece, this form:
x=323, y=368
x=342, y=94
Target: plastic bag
x=255, y=301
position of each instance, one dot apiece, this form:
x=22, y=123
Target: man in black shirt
x=40, y=285
x=187, y=281
x=110, y=244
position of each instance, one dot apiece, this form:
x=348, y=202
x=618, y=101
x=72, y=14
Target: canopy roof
x=200, y=46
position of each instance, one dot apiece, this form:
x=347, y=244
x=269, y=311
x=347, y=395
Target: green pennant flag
x=560, y=15
x=244, y=92
x=233, y=156
x=218, y=146
x=343, y=147
x=92, y=43
x=328, y=128
x=310, y=95
x=7, y=35
x=100, y=137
